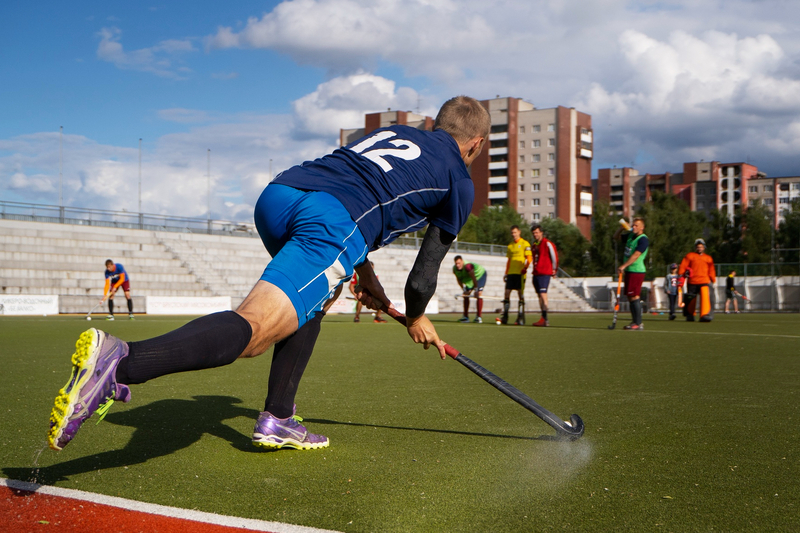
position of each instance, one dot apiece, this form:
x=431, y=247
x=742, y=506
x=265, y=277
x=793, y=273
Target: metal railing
x=81, y=216
x=758, y=269
x=576, y=286
x=459, y=247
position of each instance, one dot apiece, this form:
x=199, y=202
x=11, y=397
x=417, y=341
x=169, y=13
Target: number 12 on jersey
x=404, y=149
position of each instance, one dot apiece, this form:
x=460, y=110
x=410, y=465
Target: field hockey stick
x=571, y=430
x=616, y=304
x=103, y=299
x=742, y=296
x=487, y=298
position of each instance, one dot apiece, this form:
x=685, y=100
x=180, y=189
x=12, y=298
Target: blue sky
x=265, y=85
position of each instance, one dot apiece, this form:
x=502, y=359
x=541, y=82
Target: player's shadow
x=161, y=428
x=402, y=428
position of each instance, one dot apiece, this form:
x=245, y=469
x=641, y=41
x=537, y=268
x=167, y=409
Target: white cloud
x=713, y=96
x=345, y=36
x=343, y=101
x=37, y=183
x=158, y=59
x=247, y=150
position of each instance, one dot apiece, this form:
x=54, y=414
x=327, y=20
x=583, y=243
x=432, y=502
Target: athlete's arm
x=369, y=290
x=632, y=259
x=120, y=282
x=553, y=257
x=421, y=285
x=471, y=272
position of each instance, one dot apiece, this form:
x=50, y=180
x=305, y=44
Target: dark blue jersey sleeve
x=642, y=244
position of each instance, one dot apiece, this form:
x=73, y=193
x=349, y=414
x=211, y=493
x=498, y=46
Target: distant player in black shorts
x=519, y=258
x=730, y=293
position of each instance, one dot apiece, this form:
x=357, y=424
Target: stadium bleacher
x=39, y=258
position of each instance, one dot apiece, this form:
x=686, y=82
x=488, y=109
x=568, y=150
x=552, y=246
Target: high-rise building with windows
x=776, y=194
x=537, y=160
x=704, y=186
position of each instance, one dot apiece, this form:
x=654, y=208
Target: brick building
x=704, y=186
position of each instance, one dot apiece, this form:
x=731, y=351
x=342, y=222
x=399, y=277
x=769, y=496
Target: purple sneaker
x=275, y=433
x=91, y=387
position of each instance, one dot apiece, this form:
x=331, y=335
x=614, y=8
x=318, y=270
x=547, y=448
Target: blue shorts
x=314, y=245
x=540, y=283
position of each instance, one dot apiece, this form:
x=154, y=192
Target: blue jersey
x=394, y=181
x=116, y=274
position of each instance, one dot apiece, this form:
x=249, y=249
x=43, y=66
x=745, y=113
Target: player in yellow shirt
x=519, y=259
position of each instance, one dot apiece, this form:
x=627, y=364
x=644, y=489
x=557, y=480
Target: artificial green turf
x=689, y=427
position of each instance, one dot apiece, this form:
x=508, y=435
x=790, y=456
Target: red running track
x=26, y=507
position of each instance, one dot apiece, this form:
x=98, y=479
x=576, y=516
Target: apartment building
x=539, y=161
x=705, y=186
x=774, y=193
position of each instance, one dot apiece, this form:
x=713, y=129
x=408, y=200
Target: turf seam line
x=161, y=510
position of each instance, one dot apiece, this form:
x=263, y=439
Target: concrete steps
x=68, y=260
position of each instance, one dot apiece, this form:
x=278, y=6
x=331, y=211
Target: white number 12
x=405, y=149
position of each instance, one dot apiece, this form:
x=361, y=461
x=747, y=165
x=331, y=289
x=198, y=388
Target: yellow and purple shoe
x=276, y=433
x=91, y=387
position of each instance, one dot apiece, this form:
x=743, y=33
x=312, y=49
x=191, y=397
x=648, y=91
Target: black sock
x=110, y=307
x=130, y=305
x=206, y=342
x=289, y=361
x=632, y=305
x=544, y=314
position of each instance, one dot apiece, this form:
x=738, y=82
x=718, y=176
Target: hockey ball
x=88, y=318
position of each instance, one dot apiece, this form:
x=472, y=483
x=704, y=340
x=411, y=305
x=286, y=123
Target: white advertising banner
x=432, y=309
x=343, y=306
x=187, y=305
x=34, y=304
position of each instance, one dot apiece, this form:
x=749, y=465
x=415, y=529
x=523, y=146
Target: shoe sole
x=276, y=443
x=83, y=365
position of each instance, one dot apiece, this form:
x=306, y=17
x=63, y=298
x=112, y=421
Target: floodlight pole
x=141, y=217
x=208, y=194
x=61, y=174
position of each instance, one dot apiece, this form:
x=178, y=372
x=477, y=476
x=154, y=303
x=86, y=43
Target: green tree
x=671, y=228
x=492, y=226
x=757, y=234
x=788, y=237
x=571, y=244
x=603, y=247
x=724, y=240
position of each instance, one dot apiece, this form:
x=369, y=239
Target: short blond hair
x=464, y=118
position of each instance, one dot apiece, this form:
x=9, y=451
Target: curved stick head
x=572, y=430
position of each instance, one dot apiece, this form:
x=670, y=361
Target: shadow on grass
x=161, y=428
x=167, y=426
x=447, y=431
